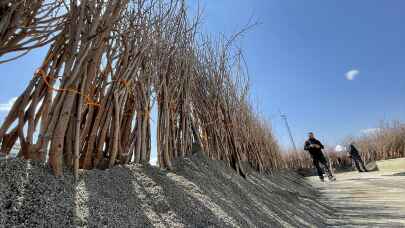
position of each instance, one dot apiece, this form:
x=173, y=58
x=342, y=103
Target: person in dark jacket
x=355, y=156
x=314, y=147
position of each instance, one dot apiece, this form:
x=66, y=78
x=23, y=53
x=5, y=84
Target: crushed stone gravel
x=197, y=193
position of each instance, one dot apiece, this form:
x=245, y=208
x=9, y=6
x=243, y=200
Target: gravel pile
x=31, y=197
x=198, y=193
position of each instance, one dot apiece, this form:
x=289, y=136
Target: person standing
x=314, y=147
x=355, y=156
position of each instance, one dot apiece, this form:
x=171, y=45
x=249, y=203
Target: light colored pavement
x=373, y=199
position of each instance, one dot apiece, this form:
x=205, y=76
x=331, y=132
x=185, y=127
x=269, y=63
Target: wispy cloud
x=352, y=74
x=369, y=131
x=5, y=107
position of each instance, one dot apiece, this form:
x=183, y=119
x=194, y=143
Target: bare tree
x=108, y=62
x=25, y=25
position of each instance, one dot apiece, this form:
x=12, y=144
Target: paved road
x=374, y=199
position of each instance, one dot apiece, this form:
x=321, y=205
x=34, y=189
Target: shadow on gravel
x=144, y=196
x=197, y=193
x=259, y=201
x=110, y=199
x=192, y=206
x=30, y=196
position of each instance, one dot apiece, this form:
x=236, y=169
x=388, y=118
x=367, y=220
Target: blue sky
x=300, y=54
x=298, y=59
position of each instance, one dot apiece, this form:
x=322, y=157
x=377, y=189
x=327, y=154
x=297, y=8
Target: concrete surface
x=373, y=199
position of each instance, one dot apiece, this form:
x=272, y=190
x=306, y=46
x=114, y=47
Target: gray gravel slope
x=198, y=193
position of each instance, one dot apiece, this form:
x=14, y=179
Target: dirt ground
x=373, y=199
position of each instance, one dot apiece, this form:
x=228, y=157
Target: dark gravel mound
x=198, y=193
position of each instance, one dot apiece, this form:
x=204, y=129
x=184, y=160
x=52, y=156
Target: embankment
x=198, y=193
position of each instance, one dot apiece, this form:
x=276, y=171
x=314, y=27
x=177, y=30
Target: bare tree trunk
x=116, y=135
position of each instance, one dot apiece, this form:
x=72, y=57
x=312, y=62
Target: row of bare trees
x=88, y=105
x=301, y=159
x=385, y=142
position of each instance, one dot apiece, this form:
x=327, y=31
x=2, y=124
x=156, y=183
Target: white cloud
x=339, y=148
x=5, y=107
x=370, y=131
x=352, y=74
